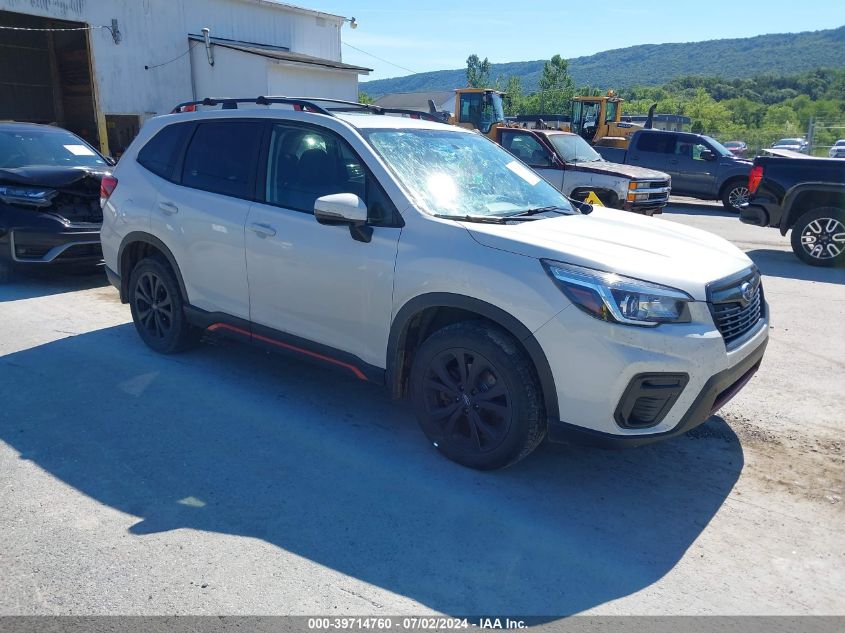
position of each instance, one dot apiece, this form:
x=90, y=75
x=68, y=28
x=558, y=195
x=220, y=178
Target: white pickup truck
x=568, y=163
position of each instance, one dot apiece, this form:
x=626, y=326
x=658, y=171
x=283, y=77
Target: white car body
x=314, y=283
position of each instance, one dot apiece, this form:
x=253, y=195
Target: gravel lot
x=228, y=481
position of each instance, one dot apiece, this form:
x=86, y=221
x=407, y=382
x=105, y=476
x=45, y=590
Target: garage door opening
x=45, y=76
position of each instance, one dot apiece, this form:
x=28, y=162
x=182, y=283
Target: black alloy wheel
x=468, y=403
x=157, y=307
x=476, y=395
x=153, y=305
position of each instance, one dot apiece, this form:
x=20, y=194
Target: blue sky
x=419, y=36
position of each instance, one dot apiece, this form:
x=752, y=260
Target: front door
x=527, y=147
x=315, y=281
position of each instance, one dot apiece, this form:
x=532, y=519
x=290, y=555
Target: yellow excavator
x=598, y=120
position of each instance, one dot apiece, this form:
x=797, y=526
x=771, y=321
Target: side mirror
x=707, y=155
x=340, y=208
x=344, y=208
x=584, y=207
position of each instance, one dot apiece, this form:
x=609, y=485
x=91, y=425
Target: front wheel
x=818, y=237
x=735, y=195
x=476, y=396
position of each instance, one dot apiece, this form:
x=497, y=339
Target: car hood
x=651, y=249
x=616, y=169
x=48, y=176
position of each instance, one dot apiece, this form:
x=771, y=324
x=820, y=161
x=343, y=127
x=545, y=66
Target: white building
x=129, y=60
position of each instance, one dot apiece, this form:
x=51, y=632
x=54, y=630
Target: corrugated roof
x=281, y=54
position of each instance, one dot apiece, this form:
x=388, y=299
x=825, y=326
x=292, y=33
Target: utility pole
x=811, y=128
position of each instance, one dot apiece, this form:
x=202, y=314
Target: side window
x=305, y=164
x=470, y=108
x=610, y=115
x=687, y=148
x=161, y=153
x=527, y=148
x=222, y=157
x=656, y=142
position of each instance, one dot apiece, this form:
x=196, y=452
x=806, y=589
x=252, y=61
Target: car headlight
x=617, y=299
x=29, y=196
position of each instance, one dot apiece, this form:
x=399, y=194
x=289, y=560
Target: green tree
x=556, y=87
x=363, y=97
x=514, y=99
x=478, y=72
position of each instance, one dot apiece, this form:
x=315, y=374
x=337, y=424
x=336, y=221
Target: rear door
x=530, y=150
x=201, y=215
x=651, y=150
x=690, y=172
x=313, y=281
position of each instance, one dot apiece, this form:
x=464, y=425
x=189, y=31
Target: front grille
x=78, y=208
x=736, y=305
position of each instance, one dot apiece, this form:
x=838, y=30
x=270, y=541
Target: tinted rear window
x=161, y=153
x=656, y=142
x=222, y=157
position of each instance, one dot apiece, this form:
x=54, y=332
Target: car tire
x=157, y=308
x=476, y=395
x=735, y=194
x=818, y=237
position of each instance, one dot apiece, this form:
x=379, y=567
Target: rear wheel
x=818, y=237
x=735, y=195
x=476, y=397
x=157, y=308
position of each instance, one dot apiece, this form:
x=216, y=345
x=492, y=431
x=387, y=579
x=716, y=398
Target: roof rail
x=308, y=104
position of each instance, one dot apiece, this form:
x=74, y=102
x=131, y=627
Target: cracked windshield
x=459, y=174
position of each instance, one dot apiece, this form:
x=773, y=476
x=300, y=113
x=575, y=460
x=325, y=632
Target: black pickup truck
x=700, y=166
x=806, y=195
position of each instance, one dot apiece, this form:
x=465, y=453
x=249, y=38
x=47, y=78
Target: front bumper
x=30, y=238
x=596, y=365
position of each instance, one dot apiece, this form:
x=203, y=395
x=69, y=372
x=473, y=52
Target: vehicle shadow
x=34, y=284
x=230, y=440
x=777, y=263
x=687, y=207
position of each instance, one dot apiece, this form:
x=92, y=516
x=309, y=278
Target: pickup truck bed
x=806, y=195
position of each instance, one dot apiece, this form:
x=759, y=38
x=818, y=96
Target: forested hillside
x=654, y=64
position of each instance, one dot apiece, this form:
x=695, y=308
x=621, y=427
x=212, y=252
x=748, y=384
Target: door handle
x=262, y=230
x=168, y=208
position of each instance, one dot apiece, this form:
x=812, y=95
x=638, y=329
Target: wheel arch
x=605, y=194
x=806, y=197
x=134, y=247
x=730, y=181
x=426, y=313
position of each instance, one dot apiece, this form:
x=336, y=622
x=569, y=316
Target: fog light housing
x=648, y=398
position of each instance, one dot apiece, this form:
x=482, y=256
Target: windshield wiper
x=484, y=219
x=553, y=208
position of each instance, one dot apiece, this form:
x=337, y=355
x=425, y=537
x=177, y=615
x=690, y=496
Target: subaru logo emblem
x=747, y=291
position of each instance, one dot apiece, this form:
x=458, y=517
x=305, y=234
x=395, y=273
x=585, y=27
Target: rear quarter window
x=222, y=158
x=161, y=153
x=656, y=142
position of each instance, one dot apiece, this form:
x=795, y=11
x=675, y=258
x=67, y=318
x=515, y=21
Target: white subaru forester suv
x=427, y=258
